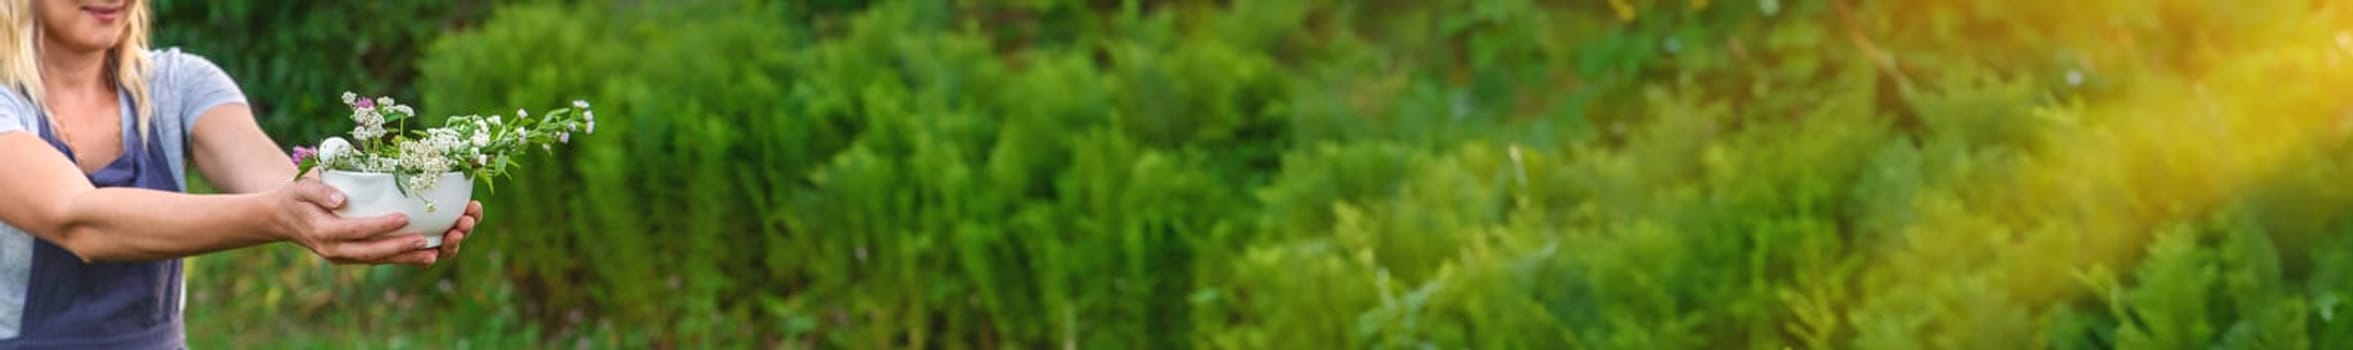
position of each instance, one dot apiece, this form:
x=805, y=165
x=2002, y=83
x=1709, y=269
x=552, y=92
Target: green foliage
x=292, y=59
x=1394, y=174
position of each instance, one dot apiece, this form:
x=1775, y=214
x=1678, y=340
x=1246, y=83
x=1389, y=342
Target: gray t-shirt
x=181, y=87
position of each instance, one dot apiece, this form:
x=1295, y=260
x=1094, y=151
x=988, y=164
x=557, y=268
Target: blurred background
x=1316, y=174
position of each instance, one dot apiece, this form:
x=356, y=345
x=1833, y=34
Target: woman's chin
x=95, y=41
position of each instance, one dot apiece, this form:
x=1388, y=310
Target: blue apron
x=106, y=305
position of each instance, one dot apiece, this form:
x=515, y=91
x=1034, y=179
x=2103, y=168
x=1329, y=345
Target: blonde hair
x=20, y=57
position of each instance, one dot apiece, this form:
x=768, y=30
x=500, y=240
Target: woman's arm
x=49, y=198
x=237, y=157
x=234, y=154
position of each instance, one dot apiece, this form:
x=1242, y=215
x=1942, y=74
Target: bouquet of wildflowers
x=481, y=147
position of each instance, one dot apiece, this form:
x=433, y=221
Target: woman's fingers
x=368, y=240
x=457, y=235
x=364, y=240
x=419, y=258
x=450, y=241
x=316, y=192
x=366, y=228
x=385, y=249
x=466, y=223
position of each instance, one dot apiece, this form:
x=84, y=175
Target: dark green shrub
x=292, y=59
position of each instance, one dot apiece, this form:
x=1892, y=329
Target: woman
x=93, y=130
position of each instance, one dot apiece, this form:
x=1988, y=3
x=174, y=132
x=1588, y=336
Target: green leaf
x=305, y=166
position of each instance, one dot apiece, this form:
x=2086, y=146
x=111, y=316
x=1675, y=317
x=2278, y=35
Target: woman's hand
x=304, y=213
x=449, y=241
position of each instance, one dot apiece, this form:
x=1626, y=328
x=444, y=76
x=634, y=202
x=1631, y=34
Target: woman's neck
x=74, y=75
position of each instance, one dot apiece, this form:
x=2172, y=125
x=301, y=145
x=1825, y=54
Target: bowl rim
x=380, y=174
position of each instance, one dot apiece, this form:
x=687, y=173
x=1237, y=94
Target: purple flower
x=364, y=104
x=301, y=153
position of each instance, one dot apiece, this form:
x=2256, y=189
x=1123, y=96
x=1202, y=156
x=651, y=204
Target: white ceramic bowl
x=374, y=194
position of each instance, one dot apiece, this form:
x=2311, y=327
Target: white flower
x=494, y=120
x=481, y=140
x=564, y=136
x=424, y=160
x=592, y=126
x=522, y=113
x=377, y=165
x=367, y=133
x=482, y=159
x=443, y=140
x=384, y=102
x=581, y=104
x=350, y=98
x=421, y=182
x=371, y=124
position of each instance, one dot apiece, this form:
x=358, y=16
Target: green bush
x=1381, y=174
x=292, y=59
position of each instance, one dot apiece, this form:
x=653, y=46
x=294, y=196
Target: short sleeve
x=15, y=114
x=187, y=85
